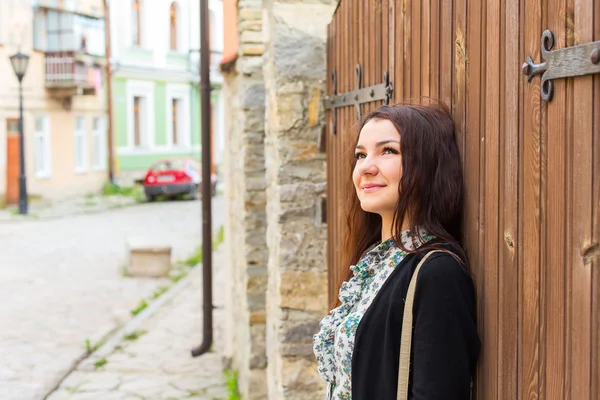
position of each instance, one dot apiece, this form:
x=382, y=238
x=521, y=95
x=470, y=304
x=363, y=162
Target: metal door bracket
x=382, y=91
x=562, y=63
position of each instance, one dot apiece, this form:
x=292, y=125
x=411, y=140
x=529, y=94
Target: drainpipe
x=111, y=163
x=206, y=182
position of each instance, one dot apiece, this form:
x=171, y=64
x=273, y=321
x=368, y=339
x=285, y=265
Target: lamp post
x=19, y=63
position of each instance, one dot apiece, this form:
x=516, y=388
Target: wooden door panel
x=532, y=187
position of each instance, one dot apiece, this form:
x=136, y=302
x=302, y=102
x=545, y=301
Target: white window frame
x=178, y=31
x=146, y=90
x=140, y=22
x=99, y=144
x=180, y=92
x=44, y=171
x=83, y=168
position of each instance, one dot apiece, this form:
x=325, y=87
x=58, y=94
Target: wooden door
x=12, y=161
x=532, y=170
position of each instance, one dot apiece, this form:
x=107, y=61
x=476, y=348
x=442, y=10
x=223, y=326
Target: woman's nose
x=367, y=166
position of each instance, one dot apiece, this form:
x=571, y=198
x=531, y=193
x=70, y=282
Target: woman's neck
x=387, y=230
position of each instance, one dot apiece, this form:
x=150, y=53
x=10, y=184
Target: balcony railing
x=70, y=70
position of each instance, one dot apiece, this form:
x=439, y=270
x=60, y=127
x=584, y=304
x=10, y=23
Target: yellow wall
x=64, y=181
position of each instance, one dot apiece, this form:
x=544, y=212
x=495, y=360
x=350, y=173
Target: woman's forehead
x=377, y=130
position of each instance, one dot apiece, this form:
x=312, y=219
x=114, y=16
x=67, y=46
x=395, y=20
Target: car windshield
x=169, y=165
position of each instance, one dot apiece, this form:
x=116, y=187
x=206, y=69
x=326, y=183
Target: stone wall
x=275, y=179
x=246, y=199
x=295, y=71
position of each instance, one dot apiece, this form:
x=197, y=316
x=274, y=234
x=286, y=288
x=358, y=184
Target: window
x=136, y=23
x=140, y=109
x=176, y=115
x=80, y=145
x=140, y=138
x=64, y=31
x=43, y=147
x=173, y=26
x=99, y=143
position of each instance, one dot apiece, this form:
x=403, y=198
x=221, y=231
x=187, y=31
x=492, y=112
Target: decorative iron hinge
x=382, y=91
x=563, y=63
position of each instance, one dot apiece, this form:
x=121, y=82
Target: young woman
x=407, y=201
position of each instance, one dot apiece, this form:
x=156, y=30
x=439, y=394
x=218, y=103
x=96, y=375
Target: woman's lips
x=371, y=188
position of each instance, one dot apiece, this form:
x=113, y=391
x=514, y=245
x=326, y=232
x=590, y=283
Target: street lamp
x=19, y=63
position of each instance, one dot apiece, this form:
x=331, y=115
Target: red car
x=173, y=177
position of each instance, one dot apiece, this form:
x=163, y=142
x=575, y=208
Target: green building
x=155, y=83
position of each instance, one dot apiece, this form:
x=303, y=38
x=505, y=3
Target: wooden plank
x=434, y=50
x=369, y=68
x=407, y=51
x=529, y=263
x=446, y=52
x=391, y=33
x=508, y=274
x=385, y=37
x=557, y=208
x=392, y=47
x=469, y=144
x=595, y=351
x=378, y=48
x=581, y=306
x=489, y=251
x=415, y=55
x=425, y=48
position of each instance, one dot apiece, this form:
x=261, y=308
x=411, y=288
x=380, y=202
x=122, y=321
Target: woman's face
x=378, y=169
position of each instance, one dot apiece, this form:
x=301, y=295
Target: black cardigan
x=445, y=343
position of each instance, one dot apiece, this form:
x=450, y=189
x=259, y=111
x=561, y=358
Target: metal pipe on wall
x=205, y=89
x=111, y=154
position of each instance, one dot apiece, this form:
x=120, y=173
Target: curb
x=134, y=323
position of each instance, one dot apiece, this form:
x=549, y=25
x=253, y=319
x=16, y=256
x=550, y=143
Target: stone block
x=251, y=37
x=304, y=290
x=250, y=25
x=298, y=55
x=253, y=49
x=254, y=97
x=249, y=13
x=299, y=374
x=148, y=257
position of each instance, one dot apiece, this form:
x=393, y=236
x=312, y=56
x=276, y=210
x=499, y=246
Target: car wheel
x=150, y=198
x=193, y=195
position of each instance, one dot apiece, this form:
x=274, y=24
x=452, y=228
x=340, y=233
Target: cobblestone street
x=62, y=284
x=153, y=361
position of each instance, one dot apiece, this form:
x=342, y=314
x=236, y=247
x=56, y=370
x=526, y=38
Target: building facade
x=155, y=82
x=276, y=233
x=65, y=107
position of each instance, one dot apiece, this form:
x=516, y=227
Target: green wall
x=160, y=110
x=142, y=161
x=119, y=112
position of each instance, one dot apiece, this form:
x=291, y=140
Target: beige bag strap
x=407, y=324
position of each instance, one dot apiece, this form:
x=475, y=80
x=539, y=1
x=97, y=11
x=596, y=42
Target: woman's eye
x=358, y=156
x=389, y=150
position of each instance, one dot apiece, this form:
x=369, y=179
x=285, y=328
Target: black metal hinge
x=382, y=91
x=563, y=63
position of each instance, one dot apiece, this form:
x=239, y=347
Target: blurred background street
x=63, y=285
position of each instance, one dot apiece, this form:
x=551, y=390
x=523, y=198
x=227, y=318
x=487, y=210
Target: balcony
x=70, y=73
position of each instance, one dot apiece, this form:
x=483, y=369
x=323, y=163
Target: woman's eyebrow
x=379, y=144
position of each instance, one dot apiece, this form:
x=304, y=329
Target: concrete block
x=148, y=257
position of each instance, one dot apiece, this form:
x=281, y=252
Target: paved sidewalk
x=62, y=285
x=91, y=204
x=154, y=361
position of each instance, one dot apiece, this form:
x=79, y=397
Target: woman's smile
x=372, y=187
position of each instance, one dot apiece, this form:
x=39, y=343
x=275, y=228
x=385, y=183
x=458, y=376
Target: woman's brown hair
x=430, y=190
